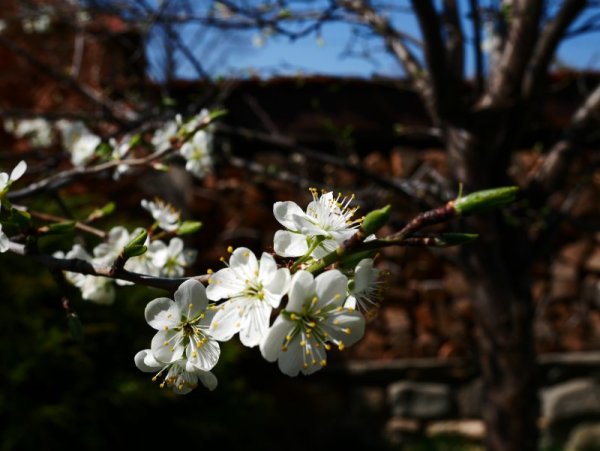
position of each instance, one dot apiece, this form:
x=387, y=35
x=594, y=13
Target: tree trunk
x=498, y=270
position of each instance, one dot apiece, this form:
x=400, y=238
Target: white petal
x=204, y=357
x=227, y=321
x=350, y=303
x=364, y=274
x=161, y=313
x=302, y=289
x=316, y=359
x=346, y=326
x=208, y=379
x=287, y=213
x=255, y=323
x=291, y=361
x=18, y=171
x=267, y=268
x=289, y=244
x=167, y=345
x=191, y=299
x=175, y=246
x=278, y=287
x=274, y=339
x=146, y=362
x=4, y=241
x=4, y=178
x=331, y=287
x=244, y=261
x=224, y=284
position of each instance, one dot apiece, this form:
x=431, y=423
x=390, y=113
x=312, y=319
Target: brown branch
x=83, y=267
x=435, y=54
x=455, y=44
x=51, y=218
x=549, y=40
x=506, y=78
x=476, y=20
x=396, y=46
x=556, y=164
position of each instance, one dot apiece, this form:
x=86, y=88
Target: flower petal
x=205, y=356
x=227, y=321
x=146, y=362
x=191, y=299
x=274, y=339
x=346, y=326
x=287, y=213
x=315, y=357
x=167, y=345
x=364, y=274
x=289, y=244
x=244, y=261
x=208, y=379
x=255, y=322
x=161, y=313
x=302, y=288
x=291, y=361
x=278, y=287
x=331, y=287
x=267, y=268
x=18, y=171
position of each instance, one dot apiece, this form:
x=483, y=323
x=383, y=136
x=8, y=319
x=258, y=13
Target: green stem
x=318, y=240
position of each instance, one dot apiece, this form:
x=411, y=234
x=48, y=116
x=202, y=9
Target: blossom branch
x=83, y=267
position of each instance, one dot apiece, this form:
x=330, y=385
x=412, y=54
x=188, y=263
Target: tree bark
x=498, y=270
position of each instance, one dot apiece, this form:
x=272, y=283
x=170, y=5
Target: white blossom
x=166, y=215
x=93, y=288
x=119, y=152
x=197, y=153
x=38, y=131
x=313, y=319
x=107, y=252
x=327, y=223
x=144, y=264
x=253, y=289
x=4, y=241
x=79, y=141
x=364, y=288
x=6, y=180
x=173, y=259
x=183, y=327
x=38, y=24
x=181, y=375
x=162, y=136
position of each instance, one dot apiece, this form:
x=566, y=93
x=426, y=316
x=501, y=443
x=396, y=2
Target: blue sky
x=235, y=53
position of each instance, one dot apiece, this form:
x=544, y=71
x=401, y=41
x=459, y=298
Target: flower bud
x=485, y=200
x=376, y=219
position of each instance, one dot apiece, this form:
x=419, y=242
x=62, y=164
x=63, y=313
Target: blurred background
x=327, y=107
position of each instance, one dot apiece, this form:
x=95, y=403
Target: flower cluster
x=315, y=313
x=79, y=141
x=6, y=180
x=159, y=260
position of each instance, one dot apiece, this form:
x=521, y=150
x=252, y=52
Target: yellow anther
x=222, y=259
x=314, y=300
x=288, y=337
x=294, y=317
x=166, y=327
x=327, y=346
x=341, y=346
x=209, y=271
x=337, y=322
x=348, y=330
x=338, y=296
x=312, y=324
x=170, y=315
x=313, y=362
x=190, y=305
x=194, y=354
x=230, y=249
x=166, y=343
x=305, y=366
x=339, y=309
x=307, y=352
x=350, y=309
x=323, y=362
x=246, y=253
x=172, y=349
x=284, y=348
x=317, y=345
x=303, y=343
x=215, y=324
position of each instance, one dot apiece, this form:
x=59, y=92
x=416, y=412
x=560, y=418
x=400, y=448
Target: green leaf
x=215, y=114
x=485, y=200
x=135, y=140
x=187, y=227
